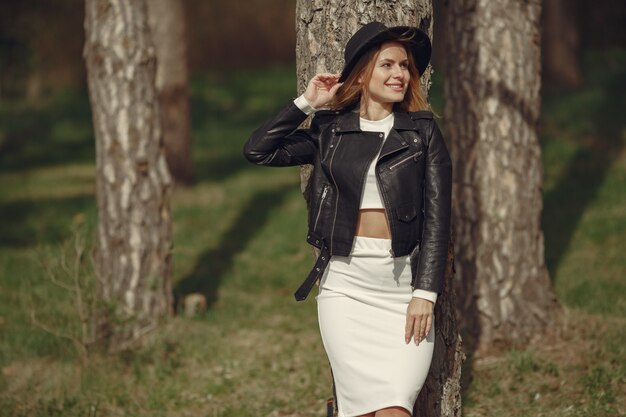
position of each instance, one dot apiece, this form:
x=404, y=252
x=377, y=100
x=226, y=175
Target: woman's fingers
x=421, y=333
x=416, y=328
x=429, y=324
x=326, y=76
x=416, y=332
x=408, y=328
x=334, y=89
x=325, y=80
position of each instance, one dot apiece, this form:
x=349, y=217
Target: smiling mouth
x=395, y=87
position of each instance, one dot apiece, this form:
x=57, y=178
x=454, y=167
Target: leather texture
x=414, y=174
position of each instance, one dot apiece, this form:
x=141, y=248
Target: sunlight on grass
x=57, y=181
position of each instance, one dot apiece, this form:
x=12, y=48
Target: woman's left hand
x=419, y=319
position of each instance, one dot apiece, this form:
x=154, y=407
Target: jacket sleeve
x=279, y=142
x=430, y=260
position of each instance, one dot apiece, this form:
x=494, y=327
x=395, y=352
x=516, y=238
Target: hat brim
x=420, y=47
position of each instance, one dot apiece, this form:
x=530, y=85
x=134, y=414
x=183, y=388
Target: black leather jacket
x=414, y=173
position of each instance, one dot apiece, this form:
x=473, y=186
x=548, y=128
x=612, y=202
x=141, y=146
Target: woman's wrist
x=303, y=104
x=427, y=295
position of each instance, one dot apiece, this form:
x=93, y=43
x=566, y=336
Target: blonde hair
x=353, y=92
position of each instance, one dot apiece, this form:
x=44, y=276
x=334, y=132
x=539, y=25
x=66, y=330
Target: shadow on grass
x=40, y=221
x=213, y=264
x=53, y=133
x=567, y=201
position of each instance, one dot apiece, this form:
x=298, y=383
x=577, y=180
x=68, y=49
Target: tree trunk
x=132, y=254
x=492, y=112
x=323, y=28
x=440, y=27
x=167, y=24
x=560, y=44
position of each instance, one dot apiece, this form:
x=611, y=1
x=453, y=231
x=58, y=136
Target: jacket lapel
x=396, y=140
x=394, y=143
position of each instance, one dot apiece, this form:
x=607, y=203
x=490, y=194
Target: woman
x=379, y=212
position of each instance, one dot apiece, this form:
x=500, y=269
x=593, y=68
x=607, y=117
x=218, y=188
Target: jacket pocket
x=413, y=157
x=406, y=212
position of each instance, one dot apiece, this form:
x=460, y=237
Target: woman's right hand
x=321, y=89
x=419, y=319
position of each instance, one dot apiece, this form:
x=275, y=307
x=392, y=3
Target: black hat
x=375, y=33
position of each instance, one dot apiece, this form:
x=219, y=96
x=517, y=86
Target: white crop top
x=371, y=194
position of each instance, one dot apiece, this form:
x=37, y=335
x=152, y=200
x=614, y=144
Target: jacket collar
x=403, y=121
x=349, y=121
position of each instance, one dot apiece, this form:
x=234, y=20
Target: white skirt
x=361, y=306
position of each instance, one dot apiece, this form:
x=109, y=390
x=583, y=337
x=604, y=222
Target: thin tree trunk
x=323, y=28
x=492, y=112
x=440, y=27
x=167, y=24
x=132, y=254
x=560, y=44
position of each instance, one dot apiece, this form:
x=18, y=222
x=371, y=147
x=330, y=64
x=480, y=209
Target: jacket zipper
x=380, y=188
x=423, y=224
x=319, y=210
x=414, y=156
x=375, y=161
x=332, y=231
x=386, y=203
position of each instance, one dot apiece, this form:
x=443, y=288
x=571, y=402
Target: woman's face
x=390, y=77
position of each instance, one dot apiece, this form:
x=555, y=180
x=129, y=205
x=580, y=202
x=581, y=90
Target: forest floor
x=239, y=236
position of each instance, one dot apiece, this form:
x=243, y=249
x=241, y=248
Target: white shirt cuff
x=304, y=105
x=427, y=295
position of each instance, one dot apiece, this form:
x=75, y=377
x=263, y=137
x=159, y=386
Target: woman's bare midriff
x=373, y=223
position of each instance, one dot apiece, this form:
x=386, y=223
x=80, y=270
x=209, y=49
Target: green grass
x=239, y=236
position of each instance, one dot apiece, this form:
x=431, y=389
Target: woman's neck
x=375, y=111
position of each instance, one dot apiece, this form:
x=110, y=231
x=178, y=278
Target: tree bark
x=132, y=254
x=492, y=112
x=167, y=24
x=322, y=29
x=560, y=44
